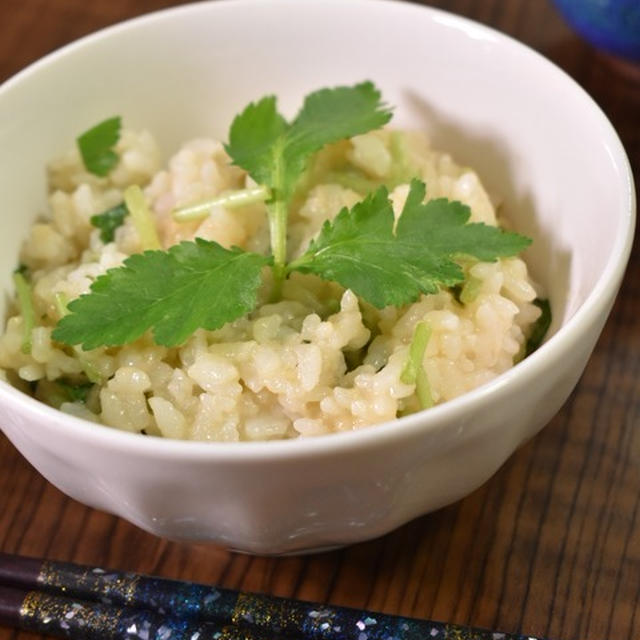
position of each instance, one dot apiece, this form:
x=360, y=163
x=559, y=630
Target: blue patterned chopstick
x=195, y=603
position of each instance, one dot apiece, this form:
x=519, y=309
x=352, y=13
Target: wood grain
x=550, y=546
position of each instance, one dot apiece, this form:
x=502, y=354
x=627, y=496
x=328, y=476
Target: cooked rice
x=319, y=361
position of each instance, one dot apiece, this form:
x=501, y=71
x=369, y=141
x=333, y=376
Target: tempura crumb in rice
x=319, y=361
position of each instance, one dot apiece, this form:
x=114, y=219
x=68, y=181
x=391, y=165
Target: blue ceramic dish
x=612, y=25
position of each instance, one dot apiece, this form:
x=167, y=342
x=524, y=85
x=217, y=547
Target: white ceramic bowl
x=534, y=136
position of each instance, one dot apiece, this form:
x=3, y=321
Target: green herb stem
x=470, y=290
x=421, y=335
x=61, y=301
x=228, y=200
x=142, y=218
x=299, y=263
x=90, y=370
x=413, y=372
x=278, y=232
x=25, y=302
x=402, y=171
x=423, y=389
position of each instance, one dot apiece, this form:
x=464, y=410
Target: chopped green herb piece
x=360, y=250
x=96, y=146
x=25, y=303
x=540, y=327
x=414, y=372
x=75, y=392
x=402, y=171
x=57, y=392
x=423, y=389
x=142, y=219
x=61, y=302
x=421, y=335
x=192, y=285
x=90, y=370
x=109, y=221
x=470, y=290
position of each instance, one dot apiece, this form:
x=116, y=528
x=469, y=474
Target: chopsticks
x=75, y=601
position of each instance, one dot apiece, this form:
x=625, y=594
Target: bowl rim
x=375, y=435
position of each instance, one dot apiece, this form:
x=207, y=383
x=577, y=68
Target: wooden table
x=550, y=546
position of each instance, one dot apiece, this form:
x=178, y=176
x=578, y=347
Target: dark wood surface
x=550, y=546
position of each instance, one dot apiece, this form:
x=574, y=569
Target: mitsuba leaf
x=275, y=153
x=109, y=221
x=96, y=146
x=192, y=285
x=360, y=250
x=441, y=225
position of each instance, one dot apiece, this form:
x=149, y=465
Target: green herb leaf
x=256, y=140
x=96, y=146
x=360, y=250
x=441, y=225
x=109, y=221
x=192, y=285
x=540, y=327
